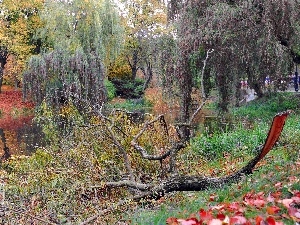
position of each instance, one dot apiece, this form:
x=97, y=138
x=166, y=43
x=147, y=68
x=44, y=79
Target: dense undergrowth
x=62, y=184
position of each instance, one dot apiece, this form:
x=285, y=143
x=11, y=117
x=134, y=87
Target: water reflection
x=22, y=141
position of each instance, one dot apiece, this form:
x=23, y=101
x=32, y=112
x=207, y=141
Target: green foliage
x=236, y=142
x=132, y=105
x=119, y=69
x=19, y=20
x=127, y=88
x=249, y=128
x=111, y=90
x=81, y=38
x=266, y=107
x=57, y=123
x=92, y=25
x=61, y=76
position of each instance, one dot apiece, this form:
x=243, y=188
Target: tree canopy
x=19, y=21
x=251, y=39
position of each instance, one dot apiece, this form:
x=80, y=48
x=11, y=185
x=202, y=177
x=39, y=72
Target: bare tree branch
x=203, y=96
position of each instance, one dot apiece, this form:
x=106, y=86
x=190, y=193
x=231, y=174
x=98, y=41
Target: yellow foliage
x=16, y=32
x=120, y=68
x=99, y=138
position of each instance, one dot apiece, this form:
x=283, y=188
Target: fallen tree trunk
x=199, y=183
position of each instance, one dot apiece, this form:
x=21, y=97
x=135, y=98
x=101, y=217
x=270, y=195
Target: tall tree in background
x=81, y=38
x=251, y=39
x=144, y=21
x=18, y=22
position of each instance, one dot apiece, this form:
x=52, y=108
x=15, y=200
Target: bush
x=127, y=88
x=236, y=142
x=111, y=90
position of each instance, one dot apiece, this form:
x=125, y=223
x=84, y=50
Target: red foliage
x=234, y=213
x=11, y=100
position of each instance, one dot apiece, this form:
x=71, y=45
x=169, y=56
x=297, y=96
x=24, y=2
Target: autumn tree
x=144, y=22
x=18, y=22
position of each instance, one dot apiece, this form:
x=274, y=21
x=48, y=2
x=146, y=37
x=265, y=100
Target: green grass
x=266, y=107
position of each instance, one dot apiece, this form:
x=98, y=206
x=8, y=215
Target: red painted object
x=274, y=132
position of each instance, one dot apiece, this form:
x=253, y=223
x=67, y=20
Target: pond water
x=22, y=141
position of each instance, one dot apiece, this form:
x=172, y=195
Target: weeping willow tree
x=61, y=76
x=79, y=39
x=252, y=39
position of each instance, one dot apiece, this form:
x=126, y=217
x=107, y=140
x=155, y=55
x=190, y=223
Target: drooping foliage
x=251, y=39
x=61, y=76
x=80, y=38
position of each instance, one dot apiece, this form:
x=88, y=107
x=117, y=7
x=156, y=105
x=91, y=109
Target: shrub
x=127, y=88
x=111, y=90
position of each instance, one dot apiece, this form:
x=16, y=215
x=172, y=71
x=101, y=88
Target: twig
x=147, y=123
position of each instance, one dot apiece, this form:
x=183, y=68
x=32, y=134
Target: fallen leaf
x=172, y=221
x=238, y=220
x=191, y=221
x=270, y=221
x=205, y=215
x=215, y=222
x=286, y=202
x=271, y=210
x=258, y=220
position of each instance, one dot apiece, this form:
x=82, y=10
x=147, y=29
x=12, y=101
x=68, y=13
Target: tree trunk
x=6, y=154
x=257, y=88
x=3, y=58
x=148, y=73
x=1, y=77
x=133, y=64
